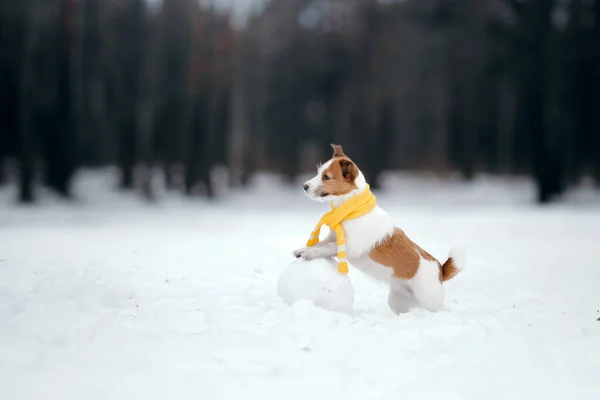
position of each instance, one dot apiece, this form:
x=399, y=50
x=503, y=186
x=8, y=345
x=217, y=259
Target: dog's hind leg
x=426, y=286
x=400, y=299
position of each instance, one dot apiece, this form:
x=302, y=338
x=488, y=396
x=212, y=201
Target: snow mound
x=317, y=281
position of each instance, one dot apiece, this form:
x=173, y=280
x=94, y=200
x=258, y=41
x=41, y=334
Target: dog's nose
x=305, y=187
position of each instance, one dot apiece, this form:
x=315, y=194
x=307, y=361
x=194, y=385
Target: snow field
x=115, y=299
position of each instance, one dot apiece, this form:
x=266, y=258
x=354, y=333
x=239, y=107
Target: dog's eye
x=326, y=177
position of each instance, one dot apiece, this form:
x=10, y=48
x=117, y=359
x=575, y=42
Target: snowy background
x=115, y=298
x=147, y=293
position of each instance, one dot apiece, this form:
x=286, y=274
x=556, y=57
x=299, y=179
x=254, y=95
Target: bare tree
x=60, y=146
x=596, y=68
x=130, y=29
x=26, y=142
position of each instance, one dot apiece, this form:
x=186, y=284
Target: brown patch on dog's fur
x=448, y=270
x=403, y=256
x=338, y=179
x=399, y=253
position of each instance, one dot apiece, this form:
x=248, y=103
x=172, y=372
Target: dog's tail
x=454, y=264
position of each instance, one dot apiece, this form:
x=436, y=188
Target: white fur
x=457, y=254
x=373, y=269
x=362, y=234
x=401, y=298
x=317, y=182
x=426, y=286
x=423, y=290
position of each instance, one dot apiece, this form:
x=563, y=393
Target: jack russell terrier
x=364, y=235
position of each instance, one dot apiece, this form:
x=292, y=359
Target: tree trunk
x=129, y=90
x=291, y=142
x=239, y=125
x=209, y=149
x=505, y=124
x=537, y=97
x=145, y=110
x=190, y=128
x=455, y=117
x=60, y=161
x=470, y=111
x=92, y=115
x=548, y=169
x=5, y=95
x=596, y=131
x=212, y=101
x=126, y=130
x=26, y=142
x=367, y=80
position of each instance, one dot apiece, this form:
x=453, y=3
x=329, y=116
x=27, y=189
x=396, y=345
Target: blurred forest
x=495, y=86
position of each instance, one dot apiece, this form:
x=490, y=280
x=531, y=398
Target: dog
x=375, y=246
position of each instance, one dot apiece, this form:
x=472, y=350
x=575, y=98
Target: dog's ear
x=348, y=169
x=337, y=150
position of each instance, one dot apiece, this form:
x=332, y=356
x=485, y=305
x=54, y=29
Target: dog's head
x=338, y=178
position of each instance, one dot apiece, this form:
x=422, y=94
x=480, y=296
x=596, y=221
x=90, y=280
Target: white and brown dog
x=375, y=246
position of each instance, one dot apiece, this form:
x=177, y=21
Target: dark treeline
x=498, y=86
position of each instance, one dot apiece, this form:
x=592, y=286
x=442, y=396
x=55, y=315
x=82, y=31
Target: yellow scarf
x=354, y=207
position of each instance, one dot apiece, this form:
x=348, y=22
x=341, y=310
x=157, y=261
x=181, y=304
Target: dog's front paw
x=306, y=253
x=311, y=254
x=300, y=252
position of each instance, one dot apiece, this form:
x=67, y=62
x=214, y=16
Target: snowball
x=317, y=281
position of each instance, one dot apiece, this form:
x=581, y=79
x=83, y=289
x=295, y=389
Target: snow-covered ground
x=113, y=298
